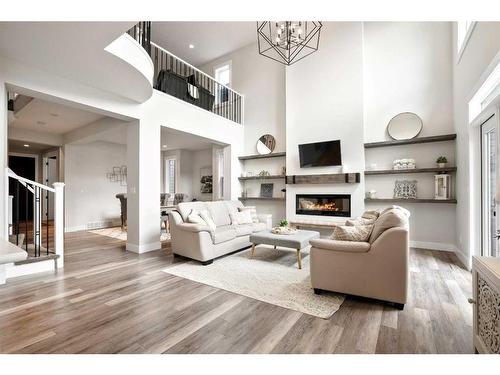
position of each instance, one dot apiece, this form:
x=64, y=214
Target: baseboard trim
x=139, y=249
x=434, y=246
x=463, y=259
x=94, y=225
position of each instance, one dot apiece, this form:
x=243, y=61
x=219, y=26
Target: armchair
x=375, y=269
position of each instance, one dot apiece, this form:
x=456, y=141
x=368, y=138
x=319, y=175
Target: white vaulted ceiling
x=210, y=39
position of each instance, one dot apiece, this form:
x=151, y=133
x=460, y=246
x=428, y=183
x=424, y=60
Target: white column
x=4, y=180
x=143, y=186
x=59, y=222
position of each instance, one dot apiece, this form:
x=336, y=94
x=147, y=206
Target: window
x=222, y=75
x=487, y=93
x=464, y=31
x=170, y=175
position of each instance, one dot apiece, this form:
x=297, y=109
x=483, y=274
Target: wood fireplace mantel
x=337, y=178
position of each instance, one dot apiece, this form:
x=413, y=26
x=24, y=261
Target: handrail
x=10, y=173
x=195, y=68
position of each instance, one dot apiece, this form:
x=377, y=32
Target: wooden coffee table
x=298, y=241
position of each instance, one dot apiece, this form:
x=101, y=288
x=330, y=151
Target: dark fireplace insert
x=323, y=204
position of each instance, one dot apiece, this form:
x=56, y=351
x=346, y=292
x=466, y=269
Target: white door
x=489, y=149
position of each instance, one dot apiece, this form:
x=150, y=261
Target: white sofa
x=198, y=242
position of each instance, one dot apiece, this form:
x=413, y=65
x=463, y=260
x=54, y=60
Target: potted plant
x=441, y=161
x=283, y=223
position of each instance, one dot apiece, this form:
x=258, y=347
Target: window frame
x=166, y=177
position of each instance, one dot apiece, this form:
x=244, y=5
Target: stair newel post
x=59, y=222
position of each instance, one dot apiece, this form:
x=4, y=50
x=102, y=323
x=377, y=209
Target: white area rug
x=270, y=276
x=118, y=233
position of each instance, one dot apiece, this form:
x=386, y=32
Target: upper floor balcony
x=176, y=77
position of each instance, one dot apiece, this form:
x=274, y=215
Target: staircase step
x=37, y=259
x=13, y=239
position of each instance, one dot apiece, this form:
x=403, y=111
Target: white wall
x=408, y=67
x=325, y=102
x=262, y=82
x=90, y=195
x=468, y=75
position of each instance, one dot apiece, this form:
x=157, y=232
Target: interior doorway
x=489, y=165
x=24, y=166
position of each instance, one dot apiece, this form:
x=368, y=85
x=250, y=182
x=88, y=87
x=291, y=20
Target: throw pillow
x=372, y=214
x=253, y=212
x=205, y=215
x=195, y=218
x=359, y=233
x=241, y=218
x=405, y=211
x=359, y=221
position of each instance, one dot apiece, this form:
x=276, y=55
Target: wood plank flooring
x=107, y=300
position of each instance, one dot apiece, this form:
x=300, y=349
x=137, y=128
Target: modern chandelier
x=288, y=41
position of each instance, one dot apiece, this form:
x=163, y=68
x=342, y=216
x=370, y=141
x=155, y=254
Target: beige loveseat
x=375, y=269
x=198, y=242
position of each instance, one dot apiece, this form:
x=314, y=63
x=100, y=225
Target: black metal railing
x=27, y=202
x=180, y=79
x=176, y=77
x=141, y=32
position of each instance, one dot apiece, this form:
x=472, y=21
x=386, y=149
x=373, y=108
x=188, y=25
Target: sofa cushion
x=223, y=233
x=233, y=206
x=258, y=227
x=220, y=213
x=253, y=212
x=185, y=208
x=205, y=215
x=389, y=219
x=359, y=233
x=241, y=218
x=195, y=218
x=243, y=230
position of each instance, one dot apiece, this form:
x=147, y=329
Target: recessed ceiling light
x=191, y=46
x=41, y=123
x=54, y=114
x=26, y=145
x=164, y=145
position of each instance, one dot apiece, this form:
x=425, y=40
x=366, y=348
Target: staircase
x=41, y=242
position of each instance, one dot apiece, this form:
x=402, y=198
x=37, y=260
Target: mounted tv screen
x=320, y=154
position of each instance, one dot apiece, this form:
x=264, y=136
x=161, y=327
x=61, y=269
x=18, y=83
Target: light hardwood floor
x=108, y=300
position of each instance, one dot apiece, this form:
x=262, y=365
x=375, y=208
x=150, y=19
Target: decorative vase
x=441, y=165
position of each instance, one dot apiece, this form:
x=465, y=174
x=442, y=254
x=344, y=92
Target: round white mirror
x=405, y=125
x=266, y=144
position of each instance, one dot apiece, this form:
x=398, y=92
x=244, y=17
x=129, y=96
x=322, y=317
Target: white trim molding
x=465, y=40
x=139, y=249
x=433, y=246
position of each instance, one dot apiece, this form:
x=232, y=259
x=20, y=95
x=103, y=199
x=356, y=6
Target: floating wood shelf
x=436, y=138
x=398, y=200
x=275, y=155
x=261, y=198
x=272, y=177
x=407, y=171
x=338, y=178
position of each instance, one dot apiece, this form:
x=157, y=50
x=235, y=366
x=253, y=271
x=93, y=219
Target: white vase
x=441, y=165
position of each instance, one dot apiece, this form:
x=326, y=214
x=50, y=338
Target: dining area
x=168, y=202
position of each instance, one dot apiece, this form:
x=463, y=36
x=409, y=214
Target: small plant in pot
x=283, y=223
x=442, y=161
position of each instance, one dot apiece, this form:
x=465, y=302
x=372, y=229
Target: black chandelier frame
x=288, y=55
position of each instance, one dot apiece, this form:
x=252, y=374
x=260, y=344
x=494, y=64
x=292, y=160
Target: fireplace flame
x=308, y=205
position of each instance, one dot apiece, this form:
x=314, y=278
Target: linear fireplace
x=323, y=204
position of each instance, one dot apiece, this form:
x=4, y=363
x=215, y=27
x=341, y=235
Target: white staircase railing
x=36, y=193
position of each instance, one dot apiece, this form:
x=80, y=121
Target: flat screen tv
x=320, y=154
